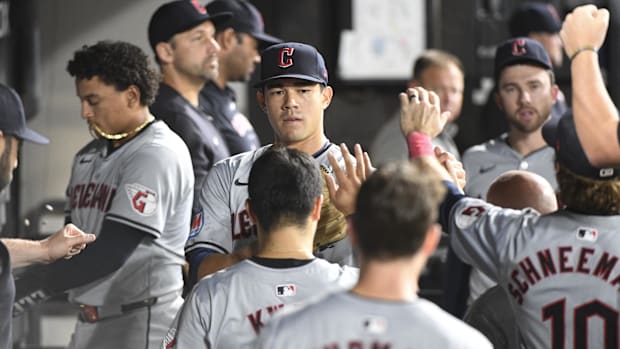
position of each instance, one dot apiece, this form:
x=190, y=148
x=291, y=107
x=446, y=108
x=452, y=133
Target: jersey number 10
x=556, y=312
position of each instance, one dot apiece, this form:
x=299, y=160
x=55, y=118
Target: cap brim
x=266, y=39
x=289, y=76
x=32, y=136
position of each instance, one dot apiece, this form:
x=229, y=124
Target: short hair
x=283, y=186
x=395, y=208
x=435, y=58
x=588, y=196
x=116, y=63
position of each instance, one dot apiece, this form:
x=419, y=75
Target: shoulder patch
x=197, y=224
x=469, y=215
x=142, y=199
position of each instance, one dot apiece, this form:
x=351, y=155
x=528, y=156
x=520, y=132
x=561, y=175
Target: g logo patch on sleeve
x=142, y=199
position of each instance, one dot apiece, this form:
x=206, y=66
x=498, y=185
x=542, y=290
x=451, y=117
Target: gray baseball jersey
x=345, y=320
x=561, y=270
x=228, y=309
x=223, y=223
x=485, y=162
x=146, y=184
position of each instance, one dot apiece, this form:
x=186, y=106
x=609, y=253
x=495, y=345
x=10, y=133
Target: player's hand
x=586, y=26
x=453, y=167
x=344, y=193
x=67, y=242
x=420, y=111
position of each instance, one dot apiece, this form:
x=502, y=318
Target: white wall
x=66, y=25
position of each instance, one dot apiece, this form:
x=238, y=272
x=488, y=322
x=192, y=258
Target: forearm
x=26, y=252
x=595, y=114
x=218, y=261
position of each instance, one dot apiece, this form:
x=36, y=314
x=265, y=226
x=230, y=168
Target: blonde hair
x=588, y=196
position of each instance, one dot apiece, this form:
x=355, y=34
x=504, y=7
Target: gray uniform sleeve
x=487, y=236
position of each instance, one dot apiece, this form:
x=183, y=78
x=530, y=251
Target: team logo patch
x=286, y=57
x=587, y=234
x=375, y=324
x=286, y=290
x=469, y=215
x=197, y=223
x=142, y=199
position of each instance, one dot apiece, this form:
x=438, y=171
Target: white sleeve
x=487, y=236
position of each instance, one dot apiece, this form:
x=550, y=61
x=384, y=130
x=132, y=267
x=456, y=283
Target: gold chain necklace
x=119, y=136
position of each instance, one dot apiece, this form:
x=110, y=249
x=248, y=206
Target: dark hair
x=588, y=196
x=435, y=58
x=395, y=207
x=283, y=186
x=116, y=63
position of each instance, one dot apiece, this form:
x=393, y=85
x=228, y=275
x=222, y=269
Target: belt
x=92, y=313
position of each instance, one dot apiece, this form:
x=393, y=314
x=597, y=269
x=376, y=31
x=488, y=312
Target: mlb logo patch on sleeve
x=142, y=199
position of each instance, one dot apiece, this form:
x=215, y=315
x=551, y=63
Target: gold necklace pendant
x=119, y=136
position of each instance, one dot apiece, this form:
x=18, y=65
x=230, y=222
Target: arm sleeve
x=107, y=254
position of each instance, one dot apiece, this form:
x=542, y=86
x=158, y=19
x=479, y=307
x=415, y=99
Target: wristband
x=581, y=49
x=419, y=145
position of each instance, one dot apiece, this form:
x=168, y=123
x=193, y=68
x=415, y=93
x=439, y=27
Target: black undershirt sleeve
x=108, y=253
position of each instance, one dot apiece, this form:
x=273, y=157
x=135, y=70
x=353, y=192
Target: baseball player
x=560, y=269
x=383, y=309
x=293, y=92
x=229, y=309
x=438, y=71
x=181, y=34
x=15, y=253
x=491, y=313
x=240, y=39
x=596, y=116
x=526, y=93
x=132, y=186
x=540, y=22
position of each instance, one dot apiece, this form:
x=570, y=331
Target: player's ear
x=226, y=38
x=554, y=92
x=326, y=96
x=248, y=207
x=498, y=100
x=431, y=241
x=260, y=98
x=133, y=96
x=163, y=50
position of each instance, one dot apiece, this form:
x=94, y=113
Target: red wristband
x=419, y=145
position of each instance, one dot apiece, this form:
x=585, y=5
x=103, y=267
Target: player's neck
x=389, y=280
x=287, y=242
x=221, y=80
x=309, y=145
x=525, y=143
x=186, y=86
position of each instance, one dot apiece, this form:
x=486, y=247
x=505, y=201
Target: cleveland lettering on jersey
x=546, y=263
x=242, y=226
x=256, y=317
x=92, y=195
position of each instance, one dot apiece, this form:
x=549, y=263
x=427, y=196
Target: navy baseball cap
x=292, y=60
x=13, y=119
x=561, y=134
x=520, y=51
x=245, y=19
x=534, y=17
x=178, y=16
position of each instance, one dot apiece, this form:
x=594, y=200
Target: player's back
x=345, y=320
x=565, y=281
x=560, y=270
x=229, y=308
